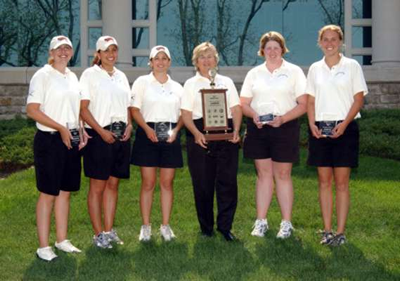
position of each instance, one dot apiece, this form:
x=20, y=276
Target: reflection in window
x=90, y=59
x=140, y=37
x=95, y=10
x=140, y=9
x=362, y=36
x=140, y=61
x=363, y=60
x=362, y=9
x=94, y=34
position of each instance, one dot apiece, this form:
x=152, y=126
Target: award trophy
x=266, y=112
x=163, y=130
x=118, y=126
x=215, y=114
x=74, y=129
x=328, y=123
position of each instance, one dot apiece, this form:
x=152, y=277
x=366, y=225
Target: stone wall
x=12, y=100
x=383, y=95
x=383, y=85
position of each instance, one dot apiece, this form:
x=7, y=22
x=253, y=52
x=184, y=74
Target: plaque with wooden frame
x=215, y=115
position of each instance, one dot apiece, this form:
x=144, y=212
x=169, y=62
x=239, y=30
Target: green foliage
x=9, y=127
x=379, y=136
x=380, y=133
x=16, y=150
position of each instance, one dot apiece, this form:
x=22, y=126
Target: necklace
x=109, y=72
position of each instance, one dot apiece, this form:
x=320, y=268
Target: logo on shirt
x=340, y=73
x=282, y=75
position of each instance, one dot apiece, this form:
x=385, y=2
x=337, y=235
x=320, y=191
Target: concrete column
x=117, y=22
x=385, y=32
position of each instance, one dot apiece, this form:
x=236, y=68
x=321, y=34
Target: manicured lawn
x=373, y=232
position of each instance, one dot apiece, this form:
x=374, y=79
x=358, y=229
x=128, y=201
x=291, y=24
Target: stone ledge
x=22, y=75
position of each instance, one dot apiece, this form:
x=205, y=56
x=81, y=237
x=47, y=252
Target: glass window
x=236, y=35
x=140, y=37
x=27, y=44
x=94, y=34
x=363, y=60
x=362, y=9
x=140, y=61
x=362, y=36
x=90, y=59
x=140, y=9
x=95, y=10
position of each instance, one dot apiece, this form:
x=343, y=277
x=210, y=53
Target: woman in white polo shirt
x=156, y=109
x=336, y=89
x=105, y=105
x=273, y=97
x=53, y=102
x=213, y=165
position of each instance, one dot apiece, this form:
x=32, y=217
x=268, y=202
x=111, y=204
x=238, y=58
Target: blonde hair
x=202, y=48
x=272, y=36
x=331, y=27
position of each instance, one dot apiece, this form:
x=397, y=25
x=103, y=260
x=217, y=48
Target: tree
x=36, y=21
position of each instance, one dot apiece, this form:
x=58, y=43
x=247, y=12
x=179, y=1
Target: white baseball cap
x=104, y=42
x=158, y=49
x=57, y=41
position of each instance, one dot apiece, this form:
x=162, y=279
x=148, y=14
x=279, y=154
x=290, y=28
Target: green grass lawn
x=372, y=251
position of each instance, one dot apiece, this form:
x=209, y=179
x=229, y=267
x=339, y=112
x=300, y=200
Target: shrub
x=16, y=150
x=9, y=127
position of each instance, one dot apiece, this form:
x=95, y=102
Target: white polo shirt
x=280, y=88
x=109, y=96
x=57, y=94
x=157, y=102
x=334, y=88
x=191, y=99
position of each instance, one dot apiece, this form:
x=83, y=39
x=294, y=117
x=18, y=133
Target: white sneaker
x=67, y=247
x=112, y=237
x=145, y=233
x=166, y=233
x=101, y=241
x=260, y=227
x=285, y=230
x=46, y=253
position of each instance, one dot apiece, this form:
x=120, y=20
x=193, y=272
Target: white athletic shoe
x=285, y=230
x=166, y=233
x=145, y=233
x=67, y=247
x=46, y=253
x=260, y=227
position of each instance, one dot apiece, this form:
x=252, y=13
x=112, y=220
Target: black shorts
x=340, y=152
x=56, y=167
x=146, y=153
x=280, y=144
x=102, y=160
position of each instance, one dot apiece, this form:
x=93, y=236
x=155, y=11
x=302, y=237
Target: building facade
x=371, y=27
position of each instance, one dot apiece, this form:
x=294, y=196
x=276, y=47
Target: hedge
x=379, y=136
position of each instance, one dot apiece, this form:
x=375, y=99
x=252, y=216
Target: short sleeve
x=310, y=86
x=137, y=92
x=300, y=83
x=359, y=84
x=128, y=89
x=233, y=94
x=187, y=101
x=37, y=90
x=84, y=85
x=247, y=86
